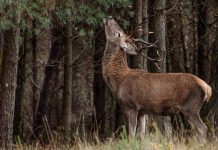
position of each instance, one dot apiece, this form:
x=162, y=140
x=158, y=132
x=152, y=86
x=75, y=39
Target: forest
x=52, y=91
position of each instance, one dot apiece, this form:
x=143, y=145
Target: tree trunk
x=8, y=84
x=24, y=91
x=174, y=45
x=99, y=83
x=34, y=57
x=187, y=34
x=137, y=62
x=34, y=71
x=20, y=88
x=205, y=37
x=43, y=49
x=145, y=30
x=1, y=49
x=110, y=113
x=51, y=91
x=215, y=82
x=67, y=103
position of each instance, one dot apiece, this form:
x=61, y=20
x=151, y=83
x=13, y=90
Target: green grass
x=151, y=142
x=155, y=141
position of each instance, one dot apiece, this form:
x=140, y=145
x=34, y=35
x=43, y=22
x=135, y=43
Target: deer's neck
x=114, y=66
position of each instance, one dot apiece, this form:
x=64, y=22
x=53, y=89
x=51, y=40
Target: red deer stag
x=139, y=92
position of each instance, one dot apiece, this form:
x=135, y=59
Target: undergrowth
x=153, y=141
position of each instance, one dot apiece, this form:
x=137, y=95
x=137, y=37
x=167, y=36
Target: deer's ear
x=129, y=48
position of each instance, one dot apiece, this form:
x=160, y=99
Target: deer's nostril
x=110, y=17
x=105, y=21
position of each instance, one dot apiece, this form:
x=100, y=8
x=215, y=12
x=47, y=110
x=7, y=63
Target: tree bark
x=137, y=62
x=67, y=101
x=1, y=49
x=174, y=45
x=110, y=113
x=43, y=50
x=20, y=88
x=25, y=93
x=205, y=37
x=34, y=57
x=99, y=83
x=34, y=71
x=8, y=84
x=145, y=30
x=215, y=82
x=51, y=91
x=189, y=35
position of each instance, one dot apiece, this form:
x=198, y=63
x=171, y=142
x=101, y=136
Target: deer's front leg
x=132, y=122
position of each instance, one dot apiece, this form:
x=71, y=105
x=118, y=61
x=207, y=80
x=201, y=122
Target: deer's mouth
x=107, y=19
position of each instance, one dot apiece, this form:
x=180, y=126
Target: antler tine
x=158, y=54
x=155, y=61
x=158, y=67
x=147, y=32
x=152, y=59
x=148, y=44
x=138, y=28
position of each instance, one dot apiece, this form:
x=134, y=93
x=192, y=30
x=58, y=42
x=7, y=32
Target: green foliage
x=83, y=14
x=93, y=14
x=90, y=15
x=27, y=10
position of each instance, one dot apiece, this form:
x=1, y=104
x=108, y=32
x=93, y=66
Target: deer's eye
x=118, y=34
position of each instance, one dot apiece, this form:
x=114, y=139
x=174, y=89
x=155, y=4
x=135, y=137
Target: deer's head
x=116, y=36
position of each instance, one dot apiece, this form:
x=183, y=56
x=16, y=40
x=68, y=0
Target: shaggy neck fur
x=114, y=66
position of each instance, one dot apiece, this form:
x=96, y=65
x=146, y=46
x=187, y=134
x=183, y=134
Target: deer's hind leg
x=201, y=128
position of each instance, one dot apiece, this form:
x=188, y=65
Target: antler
x=154, y=60
x=148, y=44
x=139, y=28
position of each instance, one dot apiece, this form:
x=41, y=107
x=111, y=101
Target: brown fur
x=140, y=92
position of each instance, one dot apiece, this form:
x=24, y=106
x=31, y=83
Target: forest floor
x=151, y=142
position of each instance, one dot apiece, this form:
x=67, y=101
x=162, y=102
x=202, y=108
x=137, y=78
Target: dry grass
x=151, y=142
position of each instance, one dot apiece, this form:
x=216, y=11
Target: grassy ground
x=151, y=142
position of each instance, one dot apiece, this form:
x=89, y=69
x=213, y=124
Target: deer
x=140, y=93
